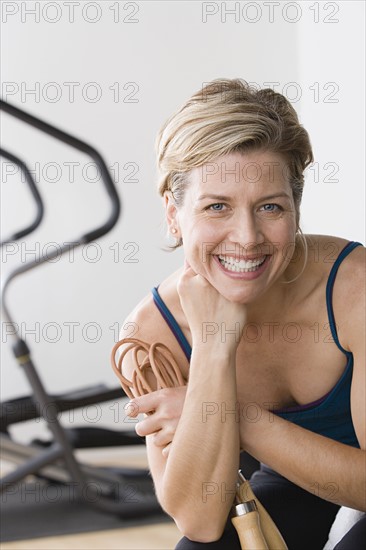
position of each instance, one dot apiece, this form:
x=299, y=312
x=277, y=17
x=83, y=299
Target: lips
x=242, y=266
x=241, y=263
x=256, y=266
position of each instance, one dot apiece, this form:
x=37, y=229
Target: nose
x=246, y=232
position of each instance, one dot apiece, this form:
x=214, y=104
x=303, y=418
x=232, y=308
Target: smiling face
x=238, y=223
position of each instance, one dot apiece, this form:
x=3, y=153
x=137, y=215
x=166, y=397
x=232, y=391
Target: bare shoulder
x=348, y=295
x=351, y=271
x=146, y=323
x=142, y=321
x=323, y=251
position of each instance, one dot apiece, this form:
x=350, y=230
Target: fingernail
x=130, y=408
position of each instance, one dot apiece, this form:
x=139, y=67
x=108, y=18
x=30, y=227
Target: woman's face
x=238, y=223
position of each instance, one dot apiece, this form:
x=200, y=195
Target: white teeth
x=243, y=266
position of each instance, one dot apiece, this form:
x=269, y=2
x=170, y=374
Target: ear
x=171, y=212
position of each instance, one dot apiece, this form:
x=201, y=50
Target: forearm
x=201, y=470
x=327, y=468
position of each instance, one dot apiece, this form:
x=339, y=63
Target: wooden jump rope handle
x=255, y=527
x=266, y=525
x=247, y=525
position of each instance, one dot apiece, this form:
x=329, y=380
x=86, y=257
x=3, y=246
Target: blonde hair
x=228, y=116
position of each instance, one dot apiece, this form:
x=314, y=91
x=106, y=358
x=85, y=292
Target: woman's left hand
x=163, y=409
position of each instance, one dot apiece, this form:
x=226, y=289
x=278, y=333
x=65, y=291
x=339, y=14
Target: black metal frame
x=59, y=458
x=37, y=197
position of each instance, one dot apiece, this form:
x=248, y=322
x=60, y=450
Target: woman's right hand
x=163, y=409
x=212, y=319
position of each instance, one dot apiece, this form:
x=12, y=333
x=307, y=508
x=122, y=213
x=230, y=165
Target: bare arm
x=197, y=478
x=332, y=470
x=201, y=469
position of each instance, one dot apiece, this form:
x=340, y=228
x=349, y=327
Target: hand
x=205, y=308
x=165, y=408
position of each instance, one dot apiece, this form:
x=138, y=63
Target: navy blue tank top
x=329, y=416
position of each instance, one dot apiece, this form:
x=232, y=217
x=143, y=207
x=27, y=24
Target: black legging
x=303, y=519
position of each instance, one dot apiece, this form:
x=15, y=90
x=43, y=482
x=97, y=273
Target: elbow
x=195, y=524
x=198, y=527
x=200, y=534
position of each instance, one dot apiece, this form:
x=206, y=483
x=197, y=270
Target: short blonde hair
x=228, y=116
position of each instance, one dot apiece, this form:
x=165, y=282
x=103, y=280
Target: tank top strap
x=329, y=290
x=172, y=323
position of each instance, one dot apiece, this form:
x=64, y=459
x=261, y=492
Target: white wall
x=332, y=72
x=163, y=51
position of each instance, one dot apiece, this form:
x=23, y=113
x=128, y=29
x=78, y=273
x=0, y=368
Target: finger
x=166, y=450
x=147, y=426
x=187, y=274
x=131, y=409
x=162, y=438
x=142, y=404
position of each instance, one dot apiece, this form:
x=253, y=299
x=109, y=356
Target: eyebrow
x=225, y=198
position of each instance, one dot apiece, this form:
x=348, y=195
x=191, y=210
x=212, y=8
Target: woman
x=266, y=323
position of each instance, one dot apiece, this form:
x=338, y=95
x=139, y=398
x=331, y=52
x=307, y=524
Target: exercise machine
x=126, y=492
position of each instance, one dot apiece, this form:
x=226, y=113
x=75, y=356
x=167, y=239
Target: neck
x=267, y=307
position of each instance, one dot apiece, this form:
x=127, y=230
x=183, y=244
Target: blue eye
x=271, y=208
x=211, y=207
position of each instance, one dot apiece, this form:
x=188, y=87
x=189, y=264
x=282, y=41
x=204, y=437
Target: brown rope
x=158, y=359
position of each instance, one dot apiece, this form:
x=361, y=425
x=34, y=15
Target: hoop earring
x=306, y=254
